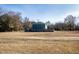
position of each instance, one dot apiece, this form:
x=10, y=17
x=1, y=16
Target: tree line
x=12, y=21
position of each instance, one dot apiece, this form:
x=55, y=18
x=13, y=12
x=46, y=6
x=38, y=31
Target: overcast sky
x=44, y=12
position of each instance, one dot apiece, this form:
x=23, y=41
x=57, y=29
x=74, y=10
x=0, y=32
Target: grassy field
x=39, y=42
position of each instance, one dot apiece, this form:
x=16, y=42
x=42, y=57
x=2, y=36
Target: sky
x=44, y=12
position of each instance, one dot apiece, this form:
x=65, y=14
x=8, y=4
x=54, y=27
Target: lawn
x=39, y=42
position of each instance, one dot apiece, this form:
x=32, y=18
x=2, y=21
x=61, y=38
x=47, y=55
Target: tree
x=59, y=26
x=10, y=22
x=47, y=24
x=50, y=27
x=17, y=23
x=77, y=27
x=70, y=22
x=27, y=24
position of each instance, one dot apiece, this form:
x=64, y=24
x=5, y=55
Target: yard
x=39, y=42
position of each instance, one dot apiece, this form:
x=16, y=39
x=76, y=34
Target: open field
x=39, y=42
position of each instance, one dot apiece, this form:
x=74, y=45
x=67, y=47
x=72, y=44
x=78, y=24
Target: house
x=38, y=27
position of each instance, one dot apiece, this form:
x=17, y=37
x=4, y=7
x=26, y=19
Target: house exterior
x=38, y=27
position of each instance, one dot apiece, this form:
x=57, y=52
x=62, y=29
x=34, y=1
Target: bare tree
x=59, y=26
x=27, y=24
x=70, y=22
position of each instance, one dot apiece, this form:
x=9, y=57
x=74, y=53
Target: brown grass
x=39, y=42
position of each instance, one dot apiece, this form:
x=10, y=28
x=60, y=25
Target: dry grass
x=39, y=42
